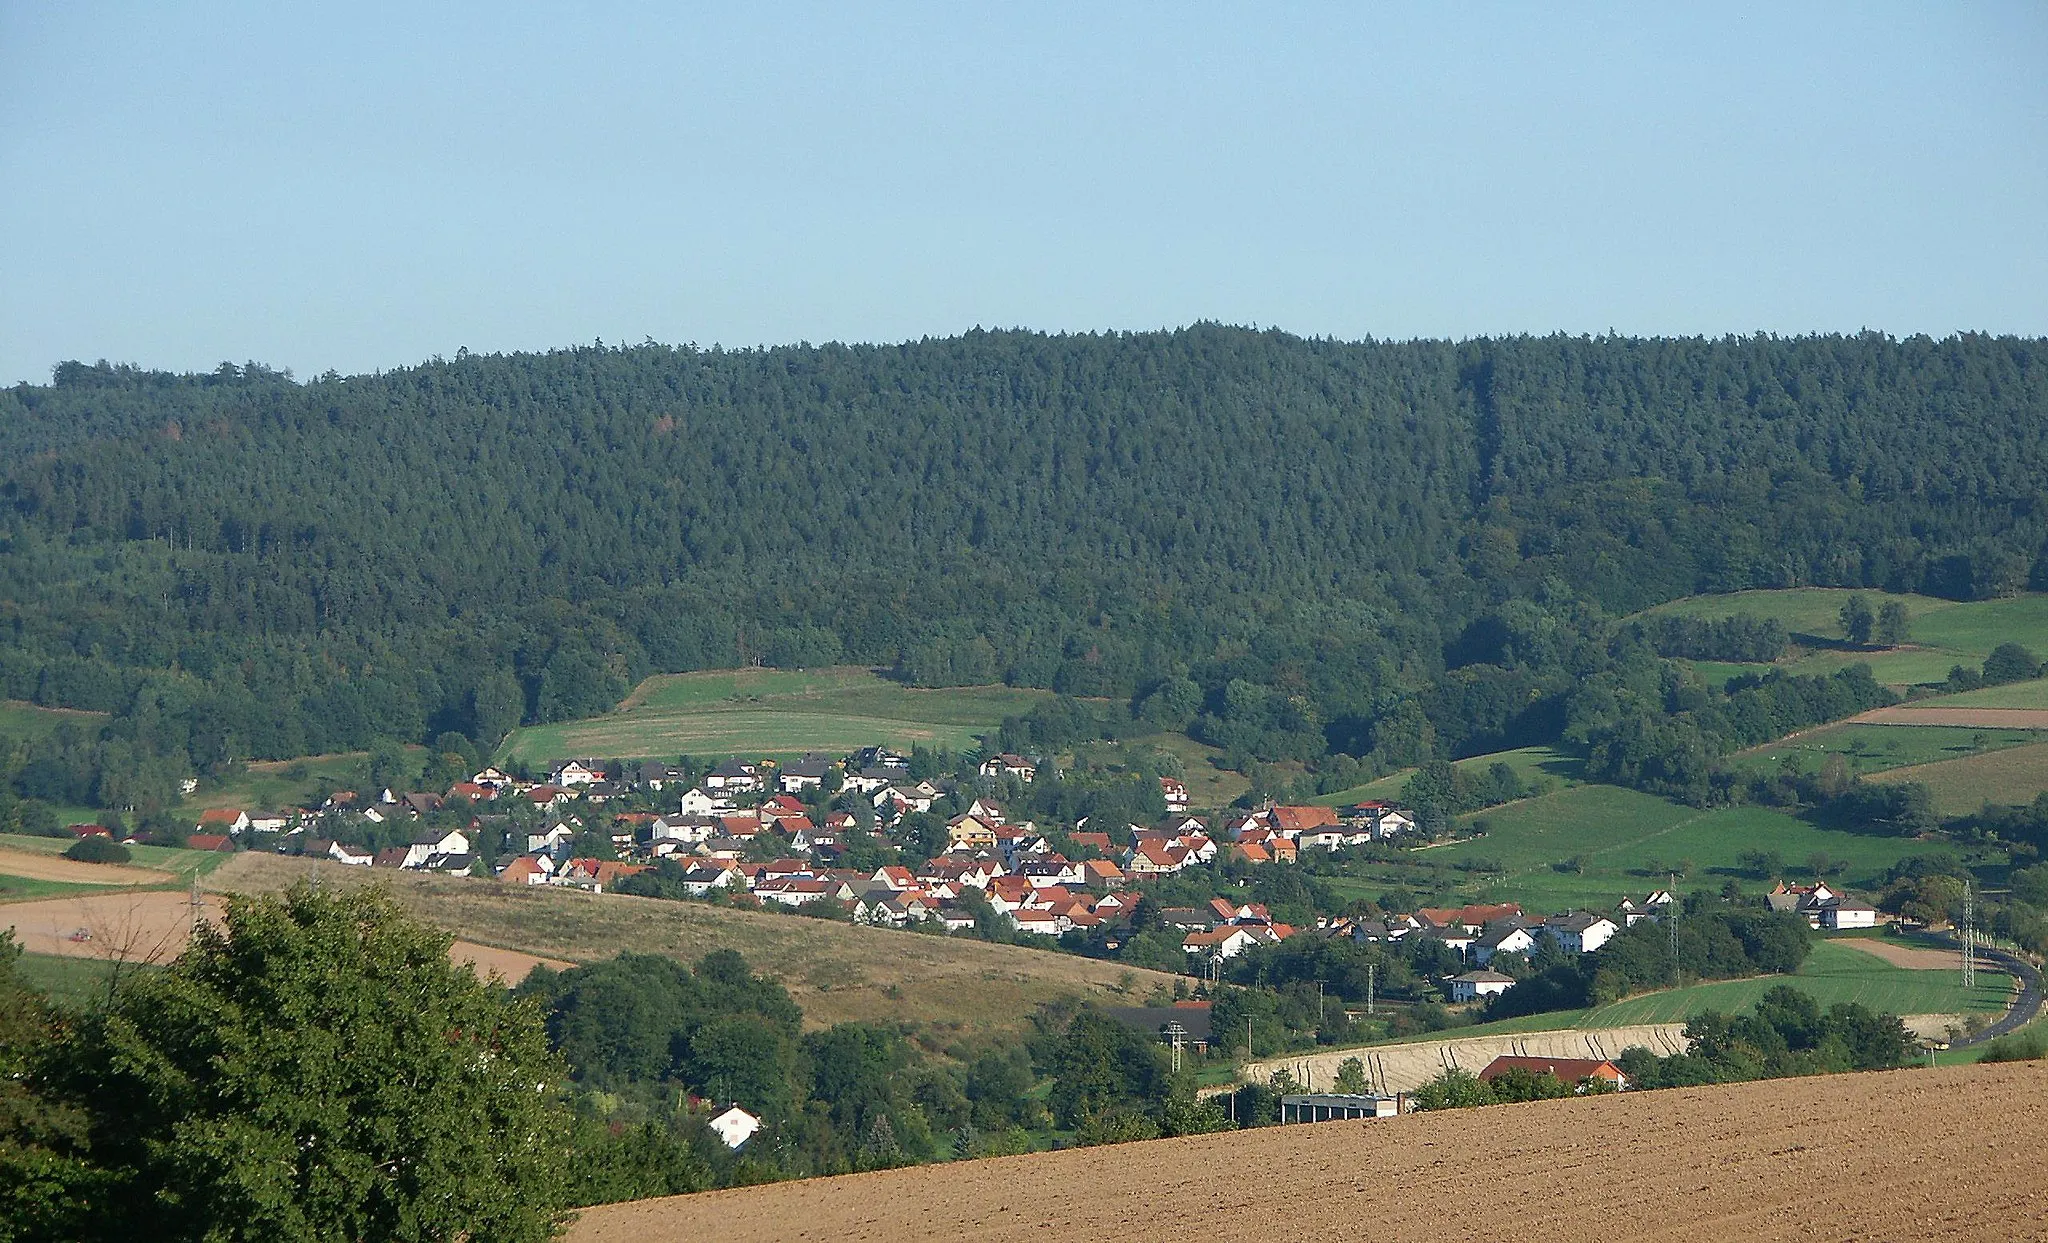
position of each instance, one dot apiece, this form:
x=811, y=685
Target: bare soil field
x=836, y=972
x=56, y=867
x=1911, y=957
x=153, y=928
x=1406, y=1067
x=1909, y=1158
x=1968, y=718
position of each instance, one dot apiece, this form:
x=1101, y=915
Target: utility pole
x=198, y=911
x=1371, y=969
x=1319, y=1001
x=1174, y=1032
x=1969, y=936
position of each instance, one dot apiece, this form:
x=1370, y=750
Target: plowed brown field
x=153, y=927
x=1908, y=1155
x=57, y=867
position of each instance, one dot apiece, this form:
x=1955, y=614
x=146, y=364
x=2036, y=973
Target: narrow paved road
x=2024, y=1009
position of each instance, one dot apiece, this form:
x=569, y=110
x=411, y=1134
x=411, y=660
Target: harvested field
x=153, y=928
x=1406, y=1067
x=2014, y=775
x=1912, y=1160
x=72, y=872
x=836, y=972
x=1911, y=957
x=1967, y=718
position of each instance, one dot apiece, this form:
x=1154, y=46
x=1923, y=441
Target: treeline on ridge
x=1355, y=555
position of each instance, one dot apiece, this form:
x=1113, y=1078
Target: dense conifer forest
x=1352, y=555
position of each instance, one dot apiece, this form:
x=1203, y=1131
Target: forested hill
x=240, y=564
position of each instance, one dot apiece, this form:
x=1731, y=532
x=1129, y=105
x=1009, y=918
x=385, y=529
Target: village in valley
x=839, y=838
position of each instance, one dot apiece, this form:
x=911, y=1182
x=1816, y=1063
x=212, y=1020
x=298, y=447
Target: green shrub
x=97, y=850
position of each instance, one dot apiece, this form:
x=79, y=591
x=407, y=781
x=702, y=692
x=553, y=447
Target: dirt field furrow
x=1897, y=1156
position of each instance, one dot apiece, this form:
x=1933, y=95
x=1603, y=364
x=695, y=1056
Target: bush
x=2017, y=1047
x=97, y=850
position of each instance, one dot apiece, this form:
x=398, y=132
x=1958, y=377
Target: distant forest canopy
x=1292, y=548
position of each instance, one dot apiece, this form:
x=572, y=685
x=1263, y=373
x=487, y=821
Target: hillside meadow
x=1961, y=786
x=837, y=972
x=1624, y=842
x=773, y=713
x=1941, y=633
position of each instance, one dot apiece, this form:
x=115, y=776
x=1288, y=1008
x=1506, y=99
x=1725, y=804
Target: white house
x=734, y=1126
x=695, y=802
x=432, y=845
x=1844, y=913
x=353, y=856
x=576, y=773
x=1580, y=933
x=1507, y=939
x=1473, y=985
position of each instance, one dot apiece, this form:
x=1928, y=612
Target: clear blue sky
x=361, y=186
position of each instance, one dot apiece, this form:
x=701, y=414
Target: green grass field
x=71, y=983
x=1832, y=973
x=774, y=712
x=181, y=864
x=1628, y=842
x=1876, y=748
x=2032, y=694
x=1559, y=766
x=27, y=889
x=274, y=785
x=1960, y=786
x=1942, y=633
x=26, y=720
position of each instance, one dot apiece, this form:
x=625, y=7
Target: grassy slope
x=273, y=785
x=1530, y=763
x=1832, y=973
x=1622, y=835
x=1943, y=633
x=26, y=720
x=2032, y=694
x=773, y=712
x=179, y=863
x=73, y=983
x=1959, y=786
x=1876, y=748
x=835, y=971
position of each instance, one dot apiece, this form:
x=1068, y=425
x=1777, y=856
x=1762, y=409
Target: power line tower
x=1969, y=936
x=1174, y=1033
x=1371, y=973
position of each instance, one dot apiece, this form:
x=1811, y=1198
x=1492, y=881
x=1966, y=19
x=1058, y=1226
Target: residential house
x=967, y=831
x=352, y=856
x=1505, y=937
x=1293, y=822
x=734, y=776
x=1474, y=985
x=224, y=820
x=1571, y=1070
x=1581, y=932
x=576, y=773
x=1175, y=792
x=527, y=870
x=210, y=841
x=695, y=802
x=427, y=846
x=1009, y=765
x=657, y=776
x=807, y=774
x=734, y=1126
